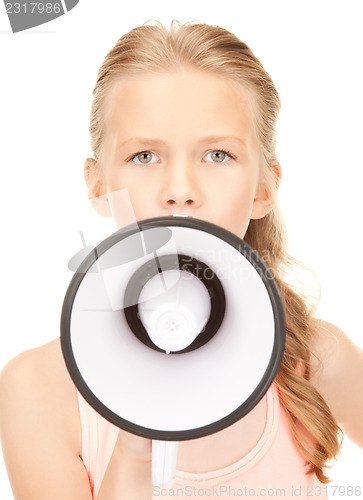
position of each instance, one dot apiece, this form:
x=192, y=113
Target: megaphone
x=172, y=329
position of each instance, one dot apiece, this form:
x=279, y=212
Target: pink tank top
x=273, y=468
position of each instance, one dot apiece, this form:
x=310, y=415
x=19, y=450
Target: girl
x=185, y=120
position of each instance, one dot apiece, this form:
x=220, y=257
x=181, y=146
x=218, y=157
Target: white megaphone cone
x=172, y=329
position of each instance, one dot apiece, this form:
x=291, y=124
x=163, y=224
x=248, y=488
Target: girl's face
x=182, y=142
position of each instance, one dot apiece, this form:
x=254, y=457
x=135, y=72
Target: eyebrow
x=204, y=140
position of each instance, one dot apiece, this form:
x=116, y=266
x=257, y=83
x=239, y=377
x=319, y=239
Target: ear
x=267, y=190
x=96, y=191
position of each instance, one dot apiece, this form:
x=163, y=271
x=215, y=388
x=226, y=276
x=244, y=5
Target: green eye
x=218, y=156
x=144, y=158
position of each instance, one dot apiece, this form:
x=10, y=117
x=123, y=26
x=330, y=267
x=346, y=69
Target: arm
x=339, y=378
x=41, y=438
x=39, y=451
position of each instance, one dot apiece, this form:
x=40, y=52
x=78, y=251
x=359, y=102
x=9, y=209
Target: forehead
x=185, y=102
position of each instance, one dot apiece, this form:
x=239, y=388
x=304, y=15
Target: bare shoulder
x=36, y=386
x=337, y=373
x=331, y=350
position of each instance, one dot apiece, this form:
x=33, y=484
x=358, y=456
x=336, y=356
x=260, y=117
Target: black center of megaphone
x=184, y=263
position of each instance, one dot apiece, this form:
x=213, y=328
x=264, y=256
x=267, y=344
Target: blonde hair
x=154, y=48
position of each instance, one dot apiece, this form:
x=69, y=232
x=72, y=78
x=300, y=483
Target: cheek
x=128, y=198
x=139, y=202
x=239, y=196
x=236, y=206
x=118, y=179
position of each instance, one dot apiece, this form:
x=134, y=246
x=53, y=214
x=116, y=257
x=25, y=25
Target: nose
x=181, y=190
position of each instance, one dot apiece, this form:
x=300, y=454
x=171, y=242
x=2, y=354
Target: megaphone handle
x=164, y=456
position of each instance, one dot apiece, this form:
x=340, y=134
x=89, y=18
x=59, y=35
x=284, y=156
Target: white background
x=313, y=51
